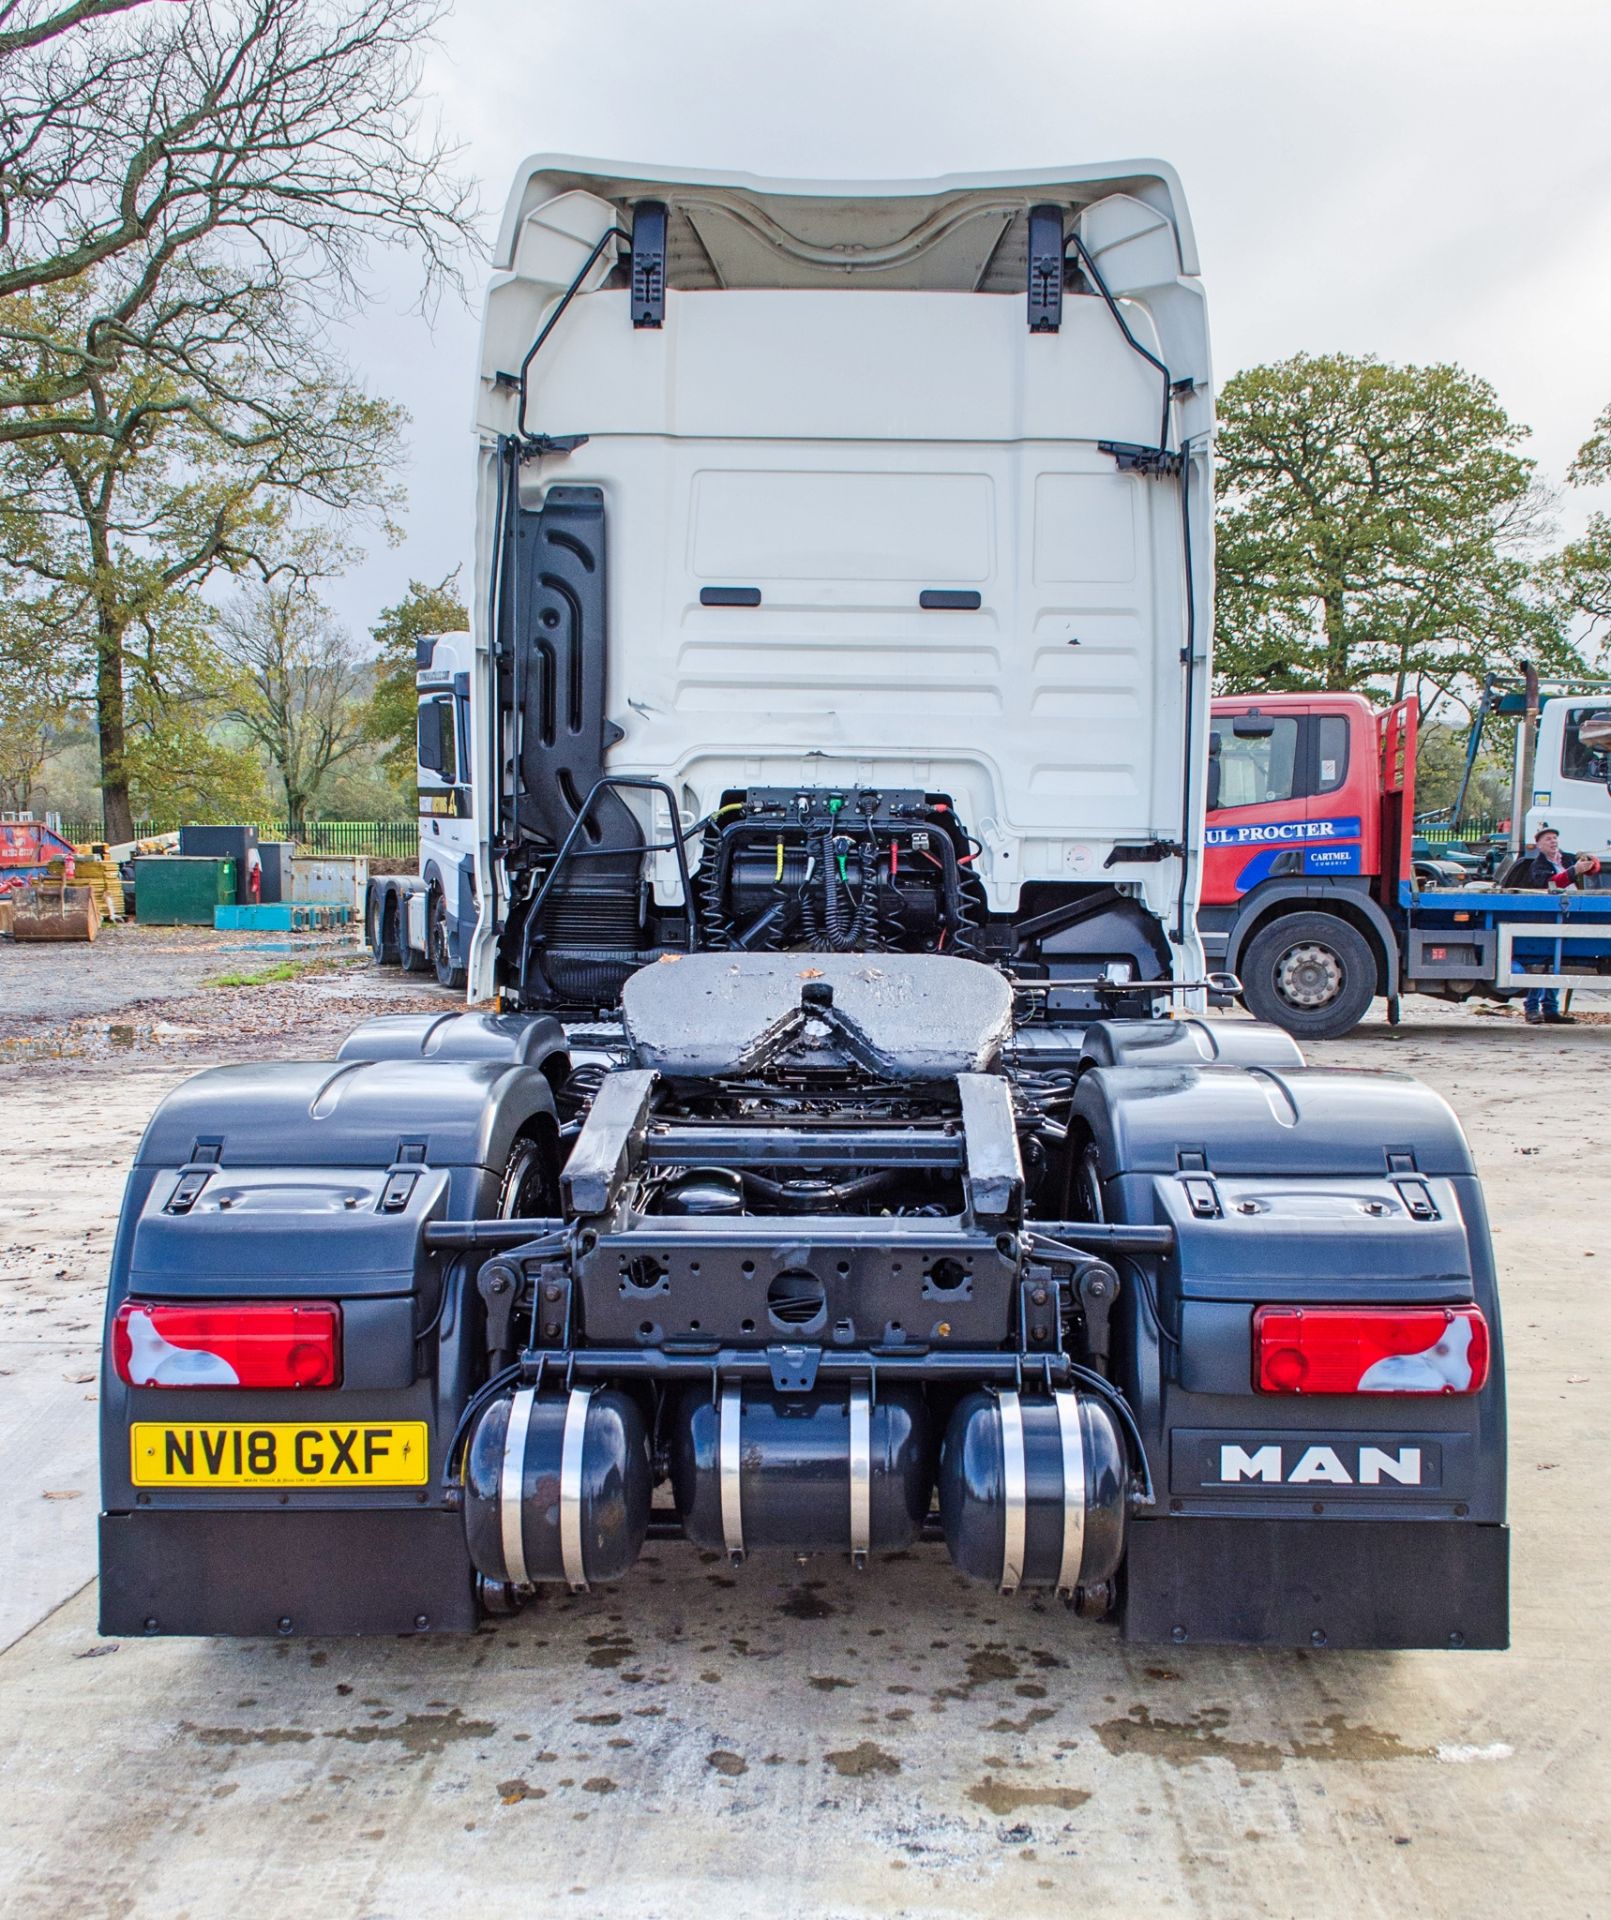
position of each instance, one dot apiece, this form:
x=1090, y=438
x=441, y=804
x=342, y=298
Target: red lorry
x=1310, y=893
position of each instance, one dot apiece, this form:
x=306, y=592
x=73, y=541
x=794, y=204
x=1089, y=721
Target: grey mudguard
x=352, y=1113
x=517, y=1039
x=1189, y=1042
x=1307, y=1188
x=1267, y=1120
x=320, y=1179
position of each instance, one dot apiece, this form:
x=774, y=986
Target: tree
x=422, y=610
x=121, y=527
x=34, y=705
x=300, y=686
x=1377, y=529
x=170, y=160
x=1583, y=573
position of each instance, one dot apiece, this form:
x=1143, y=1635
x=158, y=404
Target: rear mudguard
x=1373, y=1520
x=320, y=1181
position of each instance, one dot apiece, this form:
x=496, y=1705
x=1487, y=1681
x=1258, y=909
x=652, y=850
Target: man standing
x=1552, y=871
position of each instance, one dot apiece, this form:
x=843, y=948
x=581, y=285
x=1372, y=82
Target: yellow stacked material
x=101, y=876
x=5, y=919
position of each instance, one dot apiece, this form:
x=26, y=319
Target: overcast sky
x=1420, y=180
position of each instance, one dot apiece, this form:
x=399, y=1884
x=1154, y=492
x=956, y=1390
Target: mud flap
x=1317, y=1583
x=285, y=1573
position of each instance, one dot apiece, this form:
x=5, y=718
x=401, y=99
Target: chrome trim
x=512, y=1488
x=861, y=1474
x=1014, y=1491
x=1071, y=1429
x=572, y=1446
x=729, y=1455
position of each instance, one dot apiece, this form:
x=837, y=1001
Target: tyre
x=436, y=920
x=375, y=928
x=1312, y=973
x=409, y=957
x=529, y=1188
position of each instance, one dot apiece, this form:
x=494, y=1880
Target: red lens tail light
x=268, y=1343
x=1370, y=1349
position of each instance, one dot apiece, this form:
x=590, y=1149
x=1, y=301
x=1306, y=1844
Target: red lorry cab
x=1309, y=805
x=1293, y=789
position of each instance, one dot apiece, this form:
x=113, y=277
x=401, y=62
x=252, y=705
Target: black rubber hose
x=818, y=1196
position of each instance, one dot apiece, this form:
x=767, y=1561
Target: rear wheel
x=1312, y=973
x=375, y=928
x=447, y=974
x=529, y=1189
x=409, y=957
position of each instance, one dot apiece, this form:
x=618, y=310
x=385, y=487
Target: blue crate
x=281, y=916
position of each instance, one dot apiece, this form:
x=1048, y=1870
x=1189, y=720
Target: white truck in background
x=1571, y=769
x=426, y=919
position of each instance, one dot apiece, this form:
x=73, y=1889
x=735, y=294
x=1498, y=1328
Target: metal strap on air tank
x=572, y=1445
x=861, y=1474
x=1071, y=1433
x=1014, y=1491
x=729, y=1453
x=512, y=1488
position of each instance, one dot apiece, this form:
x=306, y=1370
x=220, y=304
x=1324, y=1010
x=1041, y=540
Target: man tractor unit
x=830, y=1157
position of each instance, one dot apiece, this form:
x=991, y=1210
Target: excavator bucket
x=57, y=913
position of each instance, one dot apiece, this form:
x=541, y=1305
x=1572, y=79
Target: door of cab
x=1257, y=809
x=1341, y=779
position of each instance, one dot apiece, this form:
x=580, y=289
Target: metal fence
x=1442, y=832
x=375, y=839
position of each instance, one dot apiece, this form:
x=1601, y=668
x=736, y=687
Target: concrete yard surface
x=792, y=1741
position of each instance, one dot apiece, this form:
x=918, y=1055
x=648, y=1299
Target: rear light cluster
x=269, y=1343
x=1370, y=1349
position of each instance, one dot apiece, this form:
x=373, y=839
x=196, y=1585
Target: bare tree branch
x=259, y=147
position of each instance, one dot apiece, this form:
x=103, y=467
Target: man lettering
x=1321, y=1463
x=1236, y=1463
x=1404, y=1467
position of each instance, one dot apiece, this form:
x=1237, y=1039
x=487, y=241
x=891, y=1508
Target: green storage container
x=172, y=890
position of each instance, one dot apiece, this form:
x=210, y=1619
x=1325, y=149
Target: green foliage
x=296, y=686
x=242, y=464
x=1582, y=573
x=1440, y=760
x=1377, y=530
x=422, y=610
x=283, y=970
x=35, y=703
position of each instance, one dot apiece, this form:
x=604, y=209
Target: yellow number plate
x=279, y=1454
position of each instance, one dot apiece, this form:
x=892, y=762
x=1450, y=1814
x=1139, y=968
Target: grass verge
x=284, y=970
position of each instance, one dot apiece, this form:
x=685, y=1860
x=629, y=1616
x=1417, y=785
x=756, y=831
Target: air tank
x=558, y=1487
x=1033, y=1490
x=836, y=1471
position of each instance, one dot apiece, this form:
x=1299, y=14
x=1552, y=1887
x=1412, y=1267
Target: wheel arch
x=1358, y=909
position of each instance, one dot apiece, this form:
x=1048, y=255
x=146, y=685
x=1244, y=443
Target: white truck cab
x=427, y=919
x=819, y=522
x=1572, y=771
